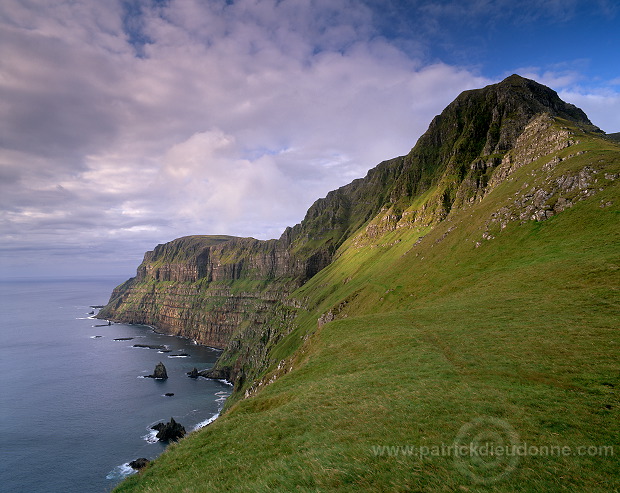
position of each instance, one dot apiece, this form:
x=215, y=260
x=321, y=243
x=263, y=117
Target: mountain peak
x=480, y=124
x=533, y=98
x=488, y=120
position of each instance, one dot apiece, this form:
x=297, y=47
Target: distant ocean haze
x=74, y=406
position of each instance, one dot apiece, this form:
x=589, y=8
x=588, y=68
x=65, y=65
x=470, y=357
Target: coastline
x=122, y=471
x=61, y=372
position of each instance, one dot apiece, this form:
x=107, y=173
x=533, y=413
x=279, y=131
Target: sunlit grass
x=429, y=336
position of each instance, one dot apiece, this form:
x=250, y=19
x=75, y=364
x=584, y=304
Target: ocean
x=75, y=407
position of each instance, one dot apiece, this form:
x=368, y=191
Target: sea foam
x=120, y=472
x=151, y=437
x=206, y=422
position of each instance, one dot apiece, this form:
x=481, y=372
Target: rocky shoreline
x=172, y=430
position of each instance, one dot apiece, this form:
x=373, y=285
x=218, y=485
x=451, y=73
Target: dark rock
x=123, y=339
x=193, y=373
x=150, y=346
x=160, y=372
x=170, y=431
x=169, y=394
x=139, y=463
x=216, y=374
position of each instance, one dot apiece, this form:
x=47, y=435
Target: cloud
x=601, y=106
x=126, y=124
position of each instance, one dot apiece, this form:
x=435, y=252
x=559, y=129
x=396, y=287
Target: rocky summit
x=465, y=290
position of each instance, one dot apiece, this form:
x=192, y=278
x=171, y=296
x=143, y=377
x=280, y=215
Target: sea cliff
x=235, y=293
x=463, y=295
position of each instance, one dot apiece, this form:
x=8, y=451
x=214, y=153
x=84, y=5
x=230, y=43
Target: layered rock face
x=233, y=293
x=206, y=287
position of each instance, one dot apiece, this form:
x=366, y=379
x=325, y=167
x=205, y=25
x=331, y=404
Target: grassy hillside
x=490, y=327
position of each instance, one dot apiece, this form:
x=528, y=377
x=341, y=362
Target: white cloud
x=233, y=120
x=602, y=106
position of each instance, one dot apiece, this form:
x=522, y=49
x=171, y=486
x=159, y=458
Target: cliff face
x=207, y=287
x=233, y=293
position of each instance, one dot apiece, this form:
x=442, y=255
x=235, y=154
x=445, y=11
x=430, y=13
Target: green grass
x=430, y=335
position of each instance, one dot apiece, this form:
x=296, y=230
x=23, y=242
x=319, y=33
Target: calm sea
x=74, y=406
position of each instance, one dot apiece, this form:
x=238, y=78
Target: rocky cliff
x=206, y=287
x=234, y=293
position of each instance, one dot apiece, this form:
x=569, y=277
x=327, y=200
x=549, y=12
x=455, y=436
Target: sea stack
x=170, y=431
x=160, y=372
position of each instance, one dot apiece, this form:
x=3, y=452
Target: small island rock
x=193, y=373
x=160, y=372
x=169, y=431
x=139, y=463
x=150, y=346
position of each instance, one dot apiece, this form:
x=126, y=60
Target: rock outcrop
x=221, y=373
x=170, y=431
x=160, y=347
x=140, y=463
x=160, y=372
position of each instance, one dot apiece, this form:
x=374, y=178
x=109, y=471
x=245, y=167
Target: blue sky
x=573, y=37
x=125, y=124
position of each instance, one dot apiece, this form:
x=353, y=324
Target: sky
x=125, y=124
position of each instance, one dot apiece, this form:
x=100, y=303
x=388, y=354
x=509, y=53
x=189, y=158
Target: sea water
x=75, y=406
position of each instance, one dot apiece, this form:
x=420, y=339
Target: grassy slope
x=433, y=335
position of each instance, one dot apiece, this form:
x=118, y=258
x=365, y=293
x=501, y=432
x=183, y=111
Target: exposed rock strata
x=204, y=288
